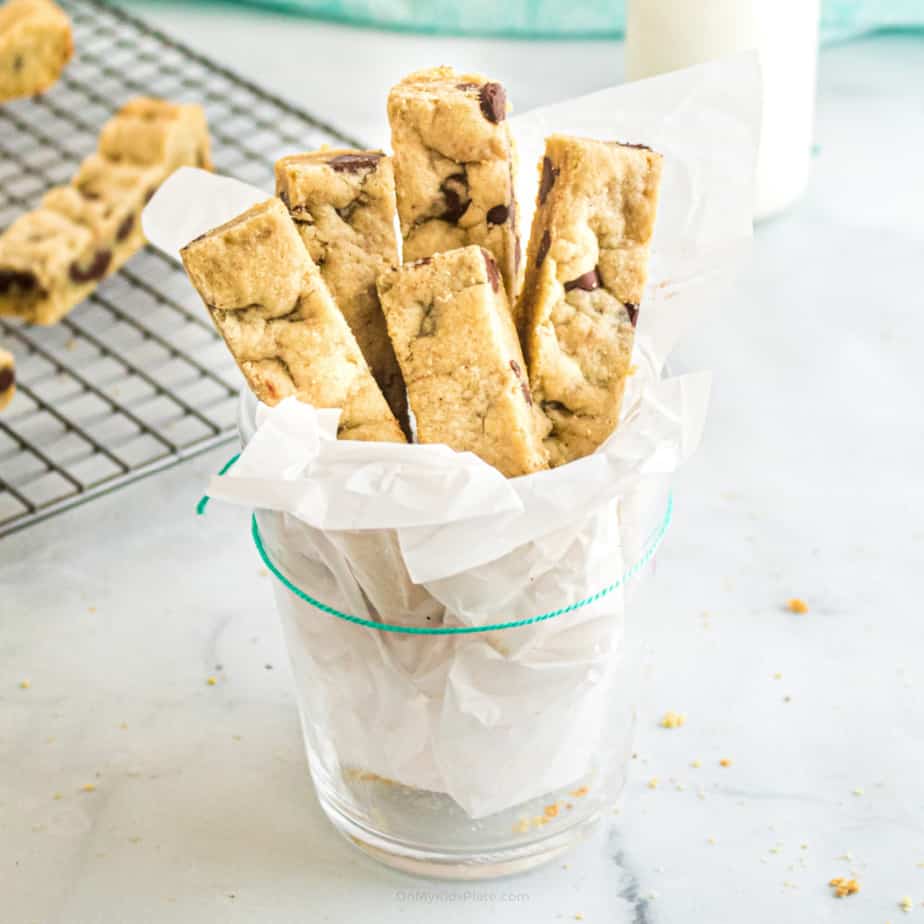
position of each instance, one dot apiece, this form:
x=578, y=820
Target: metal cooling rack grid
x=135, y=379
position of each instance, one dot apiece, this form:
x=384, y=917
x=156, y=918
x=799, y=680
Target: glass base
x=458, y=864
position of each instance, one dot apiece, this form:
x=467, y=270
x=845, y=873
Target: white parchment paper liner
x=422, y=536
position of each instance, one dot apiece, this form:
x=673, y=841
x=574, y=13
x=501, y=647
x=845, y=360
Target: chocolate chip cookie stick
x=343, y=203
x=35, y=45
x=269, y=302
x=585, y=274
x=454, y=165
x=450, y=323
x=7, y=378
x=52, y=258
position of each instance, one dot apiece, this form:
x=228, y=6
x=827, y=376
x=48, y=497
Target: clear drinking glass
x=442, y=748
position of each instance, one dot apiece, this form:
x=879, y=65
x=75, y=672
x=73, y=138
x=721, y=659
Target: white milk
x=666, y=35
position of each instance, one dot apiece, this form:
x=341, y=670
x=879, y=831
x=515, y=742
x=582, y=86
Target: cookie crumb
x=58, y=795
x=579, y=792
x=906, y=904
x=696, y=764
x=211, y=681
x=844, y=887
x=778, y=676
x=25, y=684
x=653, y=783
x=858, y=790
x=797, y=606
x=711, y=840
x=522, y=826
x=673, y=719
x=725, y=762
x=88, y=787
x=550, y=811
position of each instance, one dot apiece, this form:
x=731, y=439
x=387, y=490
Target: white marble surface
x=808, y=484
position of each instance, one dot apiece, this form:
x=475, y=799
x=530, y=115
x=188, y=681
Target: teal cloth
x=841, y=19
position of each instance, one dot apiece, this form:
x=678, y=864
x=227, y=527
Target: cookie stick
x=7, y=378
x=585, y=274
x=35, y=45
x=271, y=306
x=343, y=203
x=450, y=323
x=454, y=164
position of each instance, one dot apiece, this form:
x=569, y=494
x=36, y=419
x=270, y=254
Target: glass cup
x=440, y=744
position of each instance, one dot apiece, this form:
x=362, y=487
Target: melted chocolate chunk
x=516, y=368
x=96, y=269
x=284, y=196
x=354, y=163
x=498, y=215
x=7, y=378
x=493, y=101
x=527, y=396
x=17, y=279
x=455, y=191
x=557, y=407
x=491, y=267
x=632, y=308
x=549, y=175
x=544, y=246
x=586, y=281
x=124, y=229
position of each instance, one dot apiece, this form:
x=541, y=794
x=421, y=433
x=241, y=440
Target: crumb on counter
x=906, y=904
x=579, y=792
x=653, y=783
x=844, y=887
x=25, y=684
x=725, y=762
x=673, y=719
x=696, y=764
x=211, y=681
x=550, y=811
x=797, y=606
x=858, y=790
x=88, y=787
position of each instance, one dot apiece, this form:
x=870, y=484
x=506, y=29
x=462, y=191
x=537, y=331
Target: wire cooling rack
x=135, y=379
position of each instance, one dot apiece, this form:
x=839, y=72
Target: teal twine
x=646, y=557
x=204, y=500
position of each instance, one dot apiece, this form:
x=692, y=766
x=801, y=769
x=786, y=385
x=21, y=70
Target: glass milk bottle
x=665, y=35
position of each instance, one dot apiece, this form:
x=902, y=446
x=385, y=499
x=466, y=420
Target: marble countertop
x=808, y=484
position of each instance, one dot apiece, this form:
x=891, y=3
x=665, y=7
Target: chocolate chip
x=586, y=281
x=491, y=267
x=493, y=101
x=96, y=269
x=516, y=368
x=549, y=175
x=632, y=309
x=455, y=191
x=556, y=407
x=526, y=394
x=17, y=279
x=498, y=215
x=284, y=196
x=544, y=244
x=124, y=229
x=7, y=378
x=354, y=163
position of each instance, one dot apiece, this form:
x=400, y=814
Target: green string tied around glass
x=648, y=553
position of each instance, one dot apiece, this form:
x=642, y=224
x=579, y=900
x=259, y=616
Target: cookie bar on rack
x=343, y=203
x=53, y=257
x=274, y=311
x=451, y=326
x=35, y=45
x=7, y=378
x=454, y=165
x=585, y=274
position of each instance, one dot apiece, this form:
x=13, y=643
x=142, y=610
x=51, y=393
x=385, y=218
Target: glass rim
x=651, y=547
